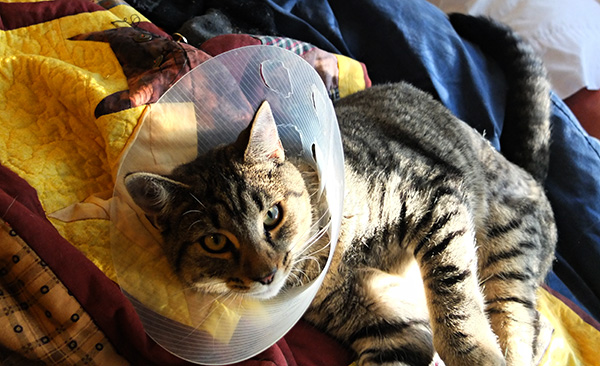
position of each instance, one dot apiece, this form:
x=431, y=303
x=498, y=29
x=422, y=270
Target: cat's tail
x=525, y=138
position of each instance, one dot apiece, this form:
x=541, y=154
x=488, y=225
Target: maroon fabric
x=17, y=15
x=226, y=42
x=98, y=295
x=314, y=348
x=17, y=190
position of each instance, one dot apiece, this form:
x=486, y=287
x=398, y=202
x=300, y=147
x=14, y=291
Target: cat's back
x=390, y=125
x=411, y=121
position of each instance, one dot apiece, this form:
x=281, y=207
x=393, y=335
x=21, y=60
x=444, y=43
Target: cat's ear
x=153, y=193
x=261, y=140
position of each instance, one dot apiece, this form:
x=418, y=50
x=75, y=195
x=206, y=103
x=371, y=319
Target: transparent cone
x=209, y=106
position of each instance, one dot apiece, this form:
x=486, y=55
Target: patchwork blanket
x=76, y=77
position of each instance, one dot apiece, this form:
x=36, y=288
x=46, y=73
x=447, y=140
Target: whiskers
x=318, y=228
x=309, y=258
x=197, y=200
x=194, y=211
x=295, y=280
x=192, y=224
x=9, y=207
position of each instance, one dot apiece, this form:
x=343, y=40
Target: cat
x=443, y=241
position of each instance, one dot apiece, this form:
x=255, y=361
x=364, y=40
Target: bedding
x=565, y=35
x=76, y=77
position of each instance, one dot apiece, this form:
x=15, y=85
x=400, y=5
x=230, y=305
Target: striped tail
x=525, y=138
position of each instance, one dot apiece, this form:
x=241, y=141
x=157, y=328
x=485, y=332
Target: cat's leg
x=443, y=243
x=382, y=317
x=515, y=255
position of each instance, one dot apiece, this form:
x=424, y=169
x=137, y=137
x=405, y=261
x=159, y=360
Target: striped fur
x=528, y=83
x=443, y=243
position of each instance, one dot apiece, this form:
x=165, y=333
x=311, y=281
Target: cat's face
x=235, y=219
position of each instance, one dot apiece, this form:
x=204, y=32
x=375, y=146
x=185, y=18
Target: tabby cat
x=443, y=243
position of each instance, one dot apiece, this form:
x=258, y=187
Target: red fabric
x=17, y=15
x=585, y=105
x=368, y=83
x=226, y=42
x=314, y=348
x=15, y=189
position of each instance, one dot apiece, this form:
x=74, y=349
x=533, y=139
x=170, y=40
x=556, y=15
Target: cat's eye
x=215, y=243
x=273, y=217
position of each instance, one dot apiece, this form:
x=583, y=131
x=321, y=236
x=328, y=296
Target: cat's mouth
x=260, y=291
x=265, y=293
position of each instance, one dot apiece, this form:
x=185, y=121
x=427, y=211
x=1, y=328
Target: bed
x=76, y=78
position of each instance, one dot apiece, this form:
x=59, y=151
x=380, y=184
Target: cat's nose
x=268, y=278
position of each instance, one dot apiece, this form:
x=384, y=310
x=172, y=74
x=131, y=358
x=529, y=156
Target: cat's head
x=234, y=219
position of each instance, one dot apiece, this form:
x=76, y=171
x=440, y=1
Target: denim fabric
x=413, y=41
x=573, y=186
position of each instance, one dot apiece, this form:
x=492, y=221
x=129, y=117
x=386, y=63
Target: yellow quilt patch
x=48, y=132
